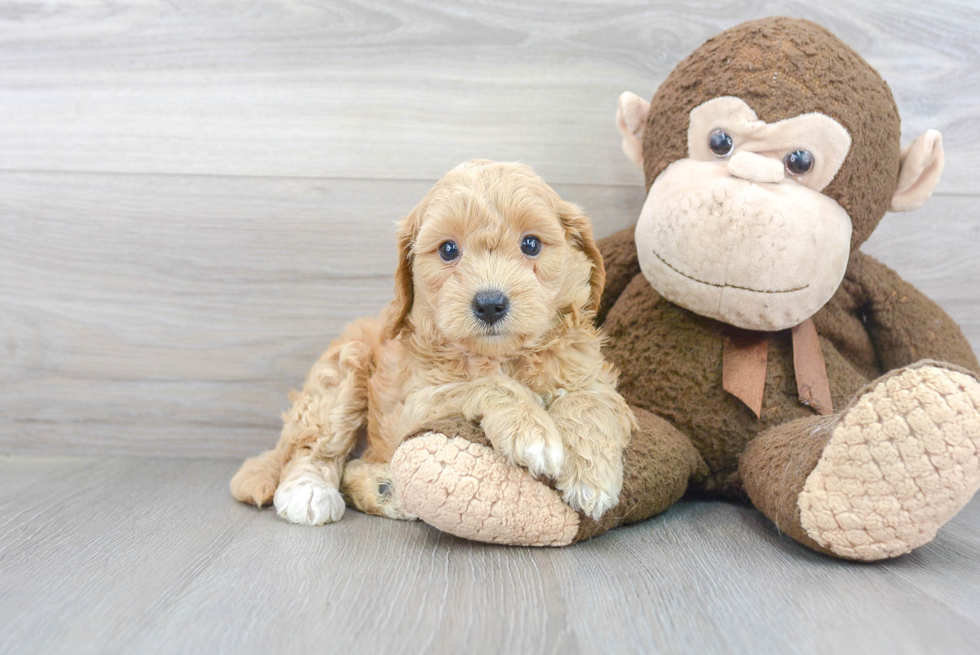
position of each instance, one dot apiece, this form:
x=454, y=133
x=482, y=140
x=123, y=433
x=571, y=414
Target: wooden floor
x=196, y=196
x=143, y=555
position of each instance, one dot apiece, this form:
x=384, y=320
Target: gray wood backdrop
x=196, y=196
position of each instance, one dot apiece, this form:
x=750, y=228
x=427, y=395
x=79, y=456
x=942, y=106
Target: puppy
x=497, y=283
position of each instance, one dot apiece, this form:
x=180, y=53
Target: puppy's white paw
x=538, y=454
x=526, y=436
x=592, y=501
x=306, y=500
x=592, y=483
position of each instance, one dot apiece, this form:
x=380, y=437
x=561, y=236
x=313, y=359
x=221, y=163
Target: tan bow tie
x=744, y=357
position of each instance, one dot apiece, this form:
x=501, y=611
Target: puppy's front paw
x=308, y=501
x=527, y=438
x=591, y=484
x=539, y=454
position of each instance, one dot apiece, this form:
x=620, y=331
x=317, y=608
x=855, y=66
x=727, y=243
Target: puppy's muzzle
x=490, y=306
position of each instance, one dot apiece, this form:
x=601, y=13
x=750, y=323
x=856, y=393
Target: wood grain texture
x=142, y=555
x=405, y=90
x=196, y=197
x=171, y=314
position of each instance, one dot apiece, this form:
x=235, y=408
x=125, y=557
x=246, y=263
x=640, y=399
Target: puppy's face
x=496, y=259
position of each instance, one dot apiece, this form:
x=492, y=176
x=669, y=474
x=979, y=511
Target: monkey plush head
x=770, y=154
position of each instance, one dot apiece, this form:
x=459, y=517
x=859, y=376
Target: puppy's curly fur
x=534, y=380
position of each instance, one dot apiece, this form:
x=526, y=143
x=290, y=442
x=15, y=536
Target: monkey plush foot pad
x=900, y=463
x=470, y=490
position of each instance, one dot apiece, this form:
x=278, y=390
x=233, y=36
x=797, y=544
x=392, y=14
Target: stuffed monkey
x=765, y=356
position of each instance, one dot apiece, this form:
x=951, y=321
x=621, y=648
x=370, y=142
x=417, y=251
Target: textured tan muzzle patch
x=472, y=492
x=902, y=461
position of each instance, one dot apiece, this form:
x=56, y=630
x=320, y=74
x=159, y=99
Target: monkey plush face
x=770, y=154
x=738, y=230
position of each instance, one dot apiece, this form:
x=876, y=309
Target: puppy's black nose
x=490, y=306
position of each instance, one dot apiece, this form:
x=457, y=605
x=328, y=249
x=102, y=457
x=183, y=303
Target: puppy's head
x=492, y=260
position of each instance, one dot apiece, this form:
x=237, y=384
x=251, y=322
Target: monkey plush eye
x=448, y=251
x=531, y=245
x=799, y=162
x=720, y=143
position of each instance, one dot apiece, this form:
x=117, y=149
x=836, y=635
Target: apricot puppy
x=496, y=286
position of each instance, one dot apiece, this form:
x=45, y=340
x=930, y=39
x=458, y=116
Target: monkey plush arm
x=904, y=325
x=622, y=265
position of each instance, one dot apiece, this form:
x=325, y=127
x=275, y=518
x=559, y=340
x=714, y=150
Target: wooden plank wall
x=195, y=197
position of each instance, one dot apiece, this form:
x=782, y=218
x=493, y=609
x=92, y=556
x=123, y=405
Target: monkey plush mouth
x=724, y=286
x=756, y=256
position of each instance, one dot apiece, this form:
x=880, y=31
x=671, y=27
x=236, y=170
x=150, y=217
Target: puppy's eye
x=448, y=251
x=799, y=162
x=720, y=144
x=531, y=245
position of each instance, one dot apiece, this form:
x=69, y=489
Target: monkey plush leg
x=879, y=478
x=367, y=486
x=450, y=476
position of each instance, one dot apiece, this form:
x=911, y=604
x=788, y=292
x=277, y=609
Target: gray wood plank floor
x=139, y=555
x=196, y=196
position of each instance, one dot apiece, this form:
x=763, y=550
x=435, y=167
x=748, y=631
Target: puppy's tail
x=257, y=479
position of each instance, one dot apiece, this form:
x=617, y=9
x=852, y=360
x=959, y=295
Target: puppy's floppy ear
x=578, y=231
x=408, y=230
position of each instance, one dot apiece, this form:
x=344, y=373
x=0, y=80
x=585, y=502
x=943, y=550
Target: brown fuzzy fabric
x=784, y=67
x=670, y=360
x=775, y=466
x=903, y=324
x=669, y=356
x=657, y=468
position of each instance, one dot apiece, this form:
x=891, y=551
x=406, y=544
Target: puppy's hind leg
x=257, y=479
x=367, y=486
x=321, y=428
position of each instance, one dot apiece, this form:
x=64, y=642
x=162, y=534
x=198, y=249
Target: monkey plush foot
x=902, y=461
x=883, y=475
x=468, y=489
x=451, y=477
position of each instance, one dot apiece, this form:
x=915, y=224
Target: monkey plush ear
x=631, y=118
x=400, y=307
x=922, y=164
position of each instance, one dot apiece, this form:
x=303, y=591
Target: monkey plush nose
x=490, y=306
x=755, y=167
